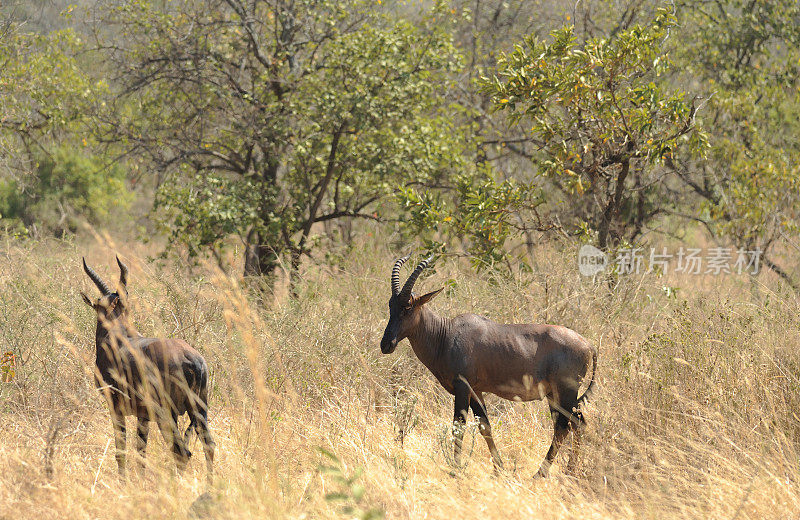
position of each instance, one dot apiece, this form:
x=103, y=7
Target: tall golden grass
x=696, y=416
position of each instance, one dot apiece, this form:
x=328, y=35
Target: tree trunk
x=259, y=259
x=612, y=208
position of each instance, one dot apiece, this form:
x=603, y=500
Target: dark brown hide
x=153, y=379
x=471, y=355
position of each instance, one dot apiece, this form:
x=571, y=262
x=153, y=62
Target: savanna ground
x=695, y=417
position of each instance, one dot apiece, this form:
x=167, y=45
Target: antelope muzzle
x=389, y=340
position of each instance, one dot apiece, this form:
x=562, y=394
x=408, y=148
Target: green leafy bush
x=65, y=187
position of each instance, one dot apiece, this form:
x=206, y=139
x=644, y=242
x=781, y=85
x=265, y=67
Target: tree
x=44, y=181
x=266, y=117
x=42, y=88
x=602, y=122
x=744, y=56
x=484, y=212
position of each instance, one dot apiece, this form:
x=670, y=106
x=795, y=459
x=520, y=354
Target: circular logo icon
x=591, y=260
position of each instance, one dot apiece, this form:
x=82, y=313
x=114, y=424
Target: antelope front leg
x=118, y=420
x=479, y=409
x=461, y=391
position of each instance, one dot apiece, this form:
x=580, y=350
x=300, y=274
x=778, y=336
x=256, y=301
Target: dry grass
x=695, y=419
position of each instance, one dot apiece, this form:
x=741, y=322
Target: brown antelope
x=471, y=355
x=149, y=378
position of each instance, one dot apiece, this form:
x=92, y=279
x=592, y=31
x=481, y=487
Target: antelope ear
x=87, y=300
x=425, y=298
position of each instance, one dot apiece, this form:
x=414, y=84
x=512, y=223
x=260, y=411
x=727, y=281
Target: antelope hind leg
x=142, y=432
x=200, y=425
x=577, y=425
x=560, y=431
x=169, y=430
x=461, y=391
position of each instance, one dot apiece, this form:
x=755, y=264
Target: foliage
x=281, y=125
x=746, y=57
x=602, y=121
x=46, y=181
x=43, y=91
x=317, y=110
x=66, y=184
x=604, y=125
x=741, y=43
x=479, y=209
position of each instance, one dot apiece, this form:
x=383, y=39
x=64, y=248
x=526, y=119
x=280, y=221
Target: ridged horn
x=123, y=274
x=96, y=279
x=396, y=274
x=406, y=292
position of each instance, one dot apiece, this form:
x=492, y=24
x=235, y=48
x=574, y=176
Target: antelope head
x=404, y=306
x=112, y=304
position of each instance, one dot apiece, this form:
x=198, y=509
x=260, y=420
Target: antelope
x=150, y=378
x=471, y=355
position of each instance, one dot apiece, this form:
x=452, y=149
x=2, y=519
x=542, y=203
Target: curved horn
x=396, y=274
x=406, y=292
x=96, y=279
x=123, y=274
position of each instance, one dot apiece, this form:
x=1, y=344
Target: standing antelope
x=470, y=355
x=150, y=378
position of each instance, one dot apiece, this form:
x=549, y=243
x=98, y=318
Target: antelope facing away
x=471, y=355
x=149, y=378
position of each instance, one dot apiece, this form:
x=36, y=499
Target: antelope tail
x=591, y=388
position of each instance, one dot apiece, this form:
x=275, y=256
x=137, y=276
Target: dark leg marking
x=208, y=442
x=462, y=391
x=560, y=431
x=577, y=425
x=142, y=431
x=118, y=421
x=563, y=403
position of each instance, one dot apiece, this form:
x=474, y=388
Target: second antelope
x=150, y=378
x=471, y=355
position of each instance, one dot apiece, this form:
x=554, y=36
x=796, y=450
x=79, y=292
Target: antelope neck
x=121, y=328
x=429, y=340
